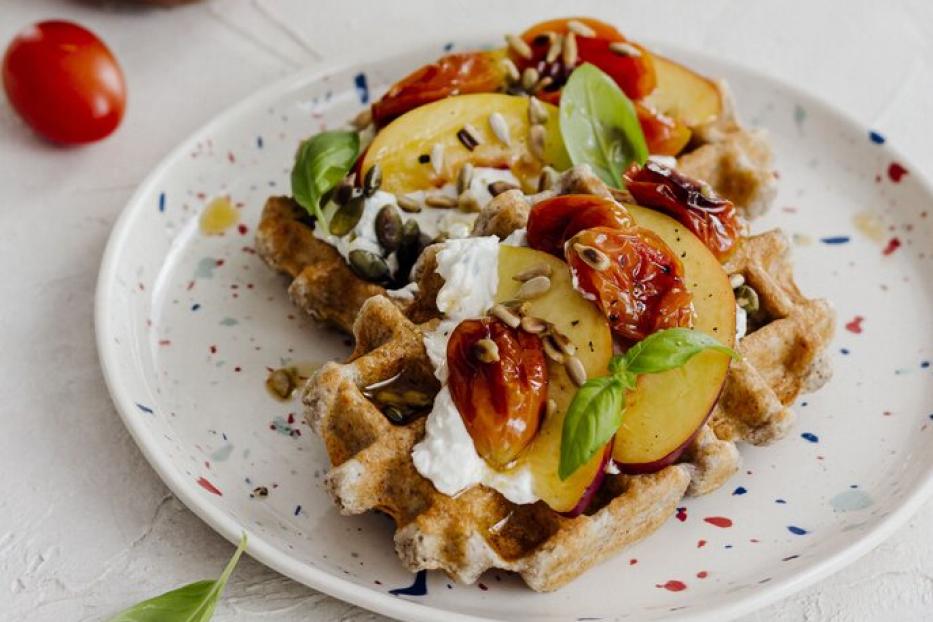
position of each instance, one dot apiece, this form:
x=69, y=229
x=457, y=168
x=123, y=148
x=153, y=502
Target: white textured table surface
x=86, y=527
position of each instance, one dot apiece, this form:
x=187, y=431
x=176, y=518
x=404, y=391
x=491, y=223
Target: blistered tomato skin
x=694, y=204
x=634, y=74
x=554, y=221
x=501, y=401
x=641, y=290
x=454, y=74
x=64, y=82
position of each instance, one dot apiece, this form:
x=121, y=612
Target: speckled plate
x=188, y=325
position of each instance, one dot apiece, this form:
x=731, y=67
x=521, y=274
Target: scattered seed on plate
x=537, y=134
x=372, y=180
x=437, y=158
x=624, y=49
x=533, y=325
x=440, y=200
x=501, y=312
x=518, y=45
x=363, y=119
x=569, y=53
x=575, y=370
x=500, y=128
x=534, y=287
x=347, y=216
x=579, y=28
x=553, y=51
x=486, y=351
x=529, y=78
x=407, y=203
x=541, y=269
x=593, y=257
x=464, y=177
x=537, y=113
x=511, y=71
x=498, y=187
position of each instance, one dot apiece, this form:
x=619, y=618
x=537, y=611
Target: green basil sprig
x=194, y=602
x=321, y=162
x=596, y=411
x=599, y=125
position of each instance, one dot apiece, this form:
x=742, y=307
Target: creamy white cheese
x=664, y=160
x=519, y=237
x=446, y=455
x=741, y=322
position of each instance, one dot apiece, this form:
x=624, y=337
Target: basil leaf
x=321, y=162
x=667, y=349
x=593, y=417
x=194, y=602
x=599, y=125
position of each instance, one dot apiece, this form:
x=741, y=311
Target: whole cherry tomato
x=694, y=204
x=498, y=381
x=632, y=69
x=664, y=135
x=64, y=82
x=634, y=278
x=554, y=221
x=454, y=74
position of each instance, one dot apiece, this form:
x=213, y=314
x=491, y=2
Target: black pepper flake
x=424, y=158
x=467, y=139
x=574, y=322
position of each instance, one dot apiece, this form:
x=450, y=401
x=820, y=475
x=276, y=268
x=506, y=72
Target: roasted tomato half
x=630, y=65
x=634, y=277
x=664, y=135
x=454, y=74
x=710, y=217
x=554, y=221
x=498, y=380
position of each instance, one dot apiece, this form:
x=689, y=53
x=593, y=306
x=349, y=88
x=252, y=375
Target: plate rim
x=367, y=597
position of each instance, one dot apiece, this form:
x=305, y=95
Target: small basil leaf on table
x=667, y=349
x=594, y=415
x=321, y=162
x=599, y=125
x=194, y=602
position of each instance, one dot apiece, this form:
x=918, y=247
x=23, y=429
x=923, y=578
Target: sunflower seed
x=537, y=113
x=593, y=257
x=736, y=280
x=538, y=135
x=552, y=351
x=372, y=180
x=534, y=287
x=347, y=216
x=367, y=265
x=437, y=158
x=624, y=49
x=562, y=342
x=518, y=45
x=467, y=202
x=486, y=351
x=578, y=27
x=529, y=78
x=389, y=228
x=543, y=83
x=407, y=203
x=508, y=318
x=575, y=370
x=551, y=408
x=440, y=200
x=553, y=51
x=465, y=177
x=511, y=71
x=541, y=269
x=548, y=179
x=569, y=53
x=363, y=119
x=469, y=137
x=498, y=187
x=533, y=325
x=500, y=128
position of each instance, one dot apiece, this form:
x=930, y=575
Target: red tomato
x=634, y=74
x=640, y=288
x=501, y=401
x=454, y=74
x=554, y=221
x=64, y=82
x=663, y=134
x=693, y=203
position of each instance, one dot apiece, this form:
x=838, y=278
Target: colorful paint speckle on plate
x=190, y=325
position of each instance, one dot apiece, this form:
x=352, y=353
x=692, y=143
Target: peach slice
x=581, y=321
x=404, y=147
x=666, y=410
x=684, y=94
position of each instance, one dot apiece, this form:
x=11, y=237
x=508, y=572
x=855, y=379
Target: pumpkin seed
x=281, y=383
x=411, y=232
x=508, y=318
x=367, y=265
x=534, y=288
x=575, y=370
x=465, y=177
x=541, y=269
x=409, y=397
x=537, y=113
x=569, y=53
x=498, y=187
x=747, y=298
x=344, y=192
x=407, y=203
x=486, y=351
x=372, y=180
x=624, y=49
x=548, y=179
x=389, y=228
x=396, y=415
x=347, y=216
x=518, y=45
x=593, y=257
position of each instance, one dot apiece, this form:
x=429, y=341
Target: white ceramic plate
x=187, y=326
